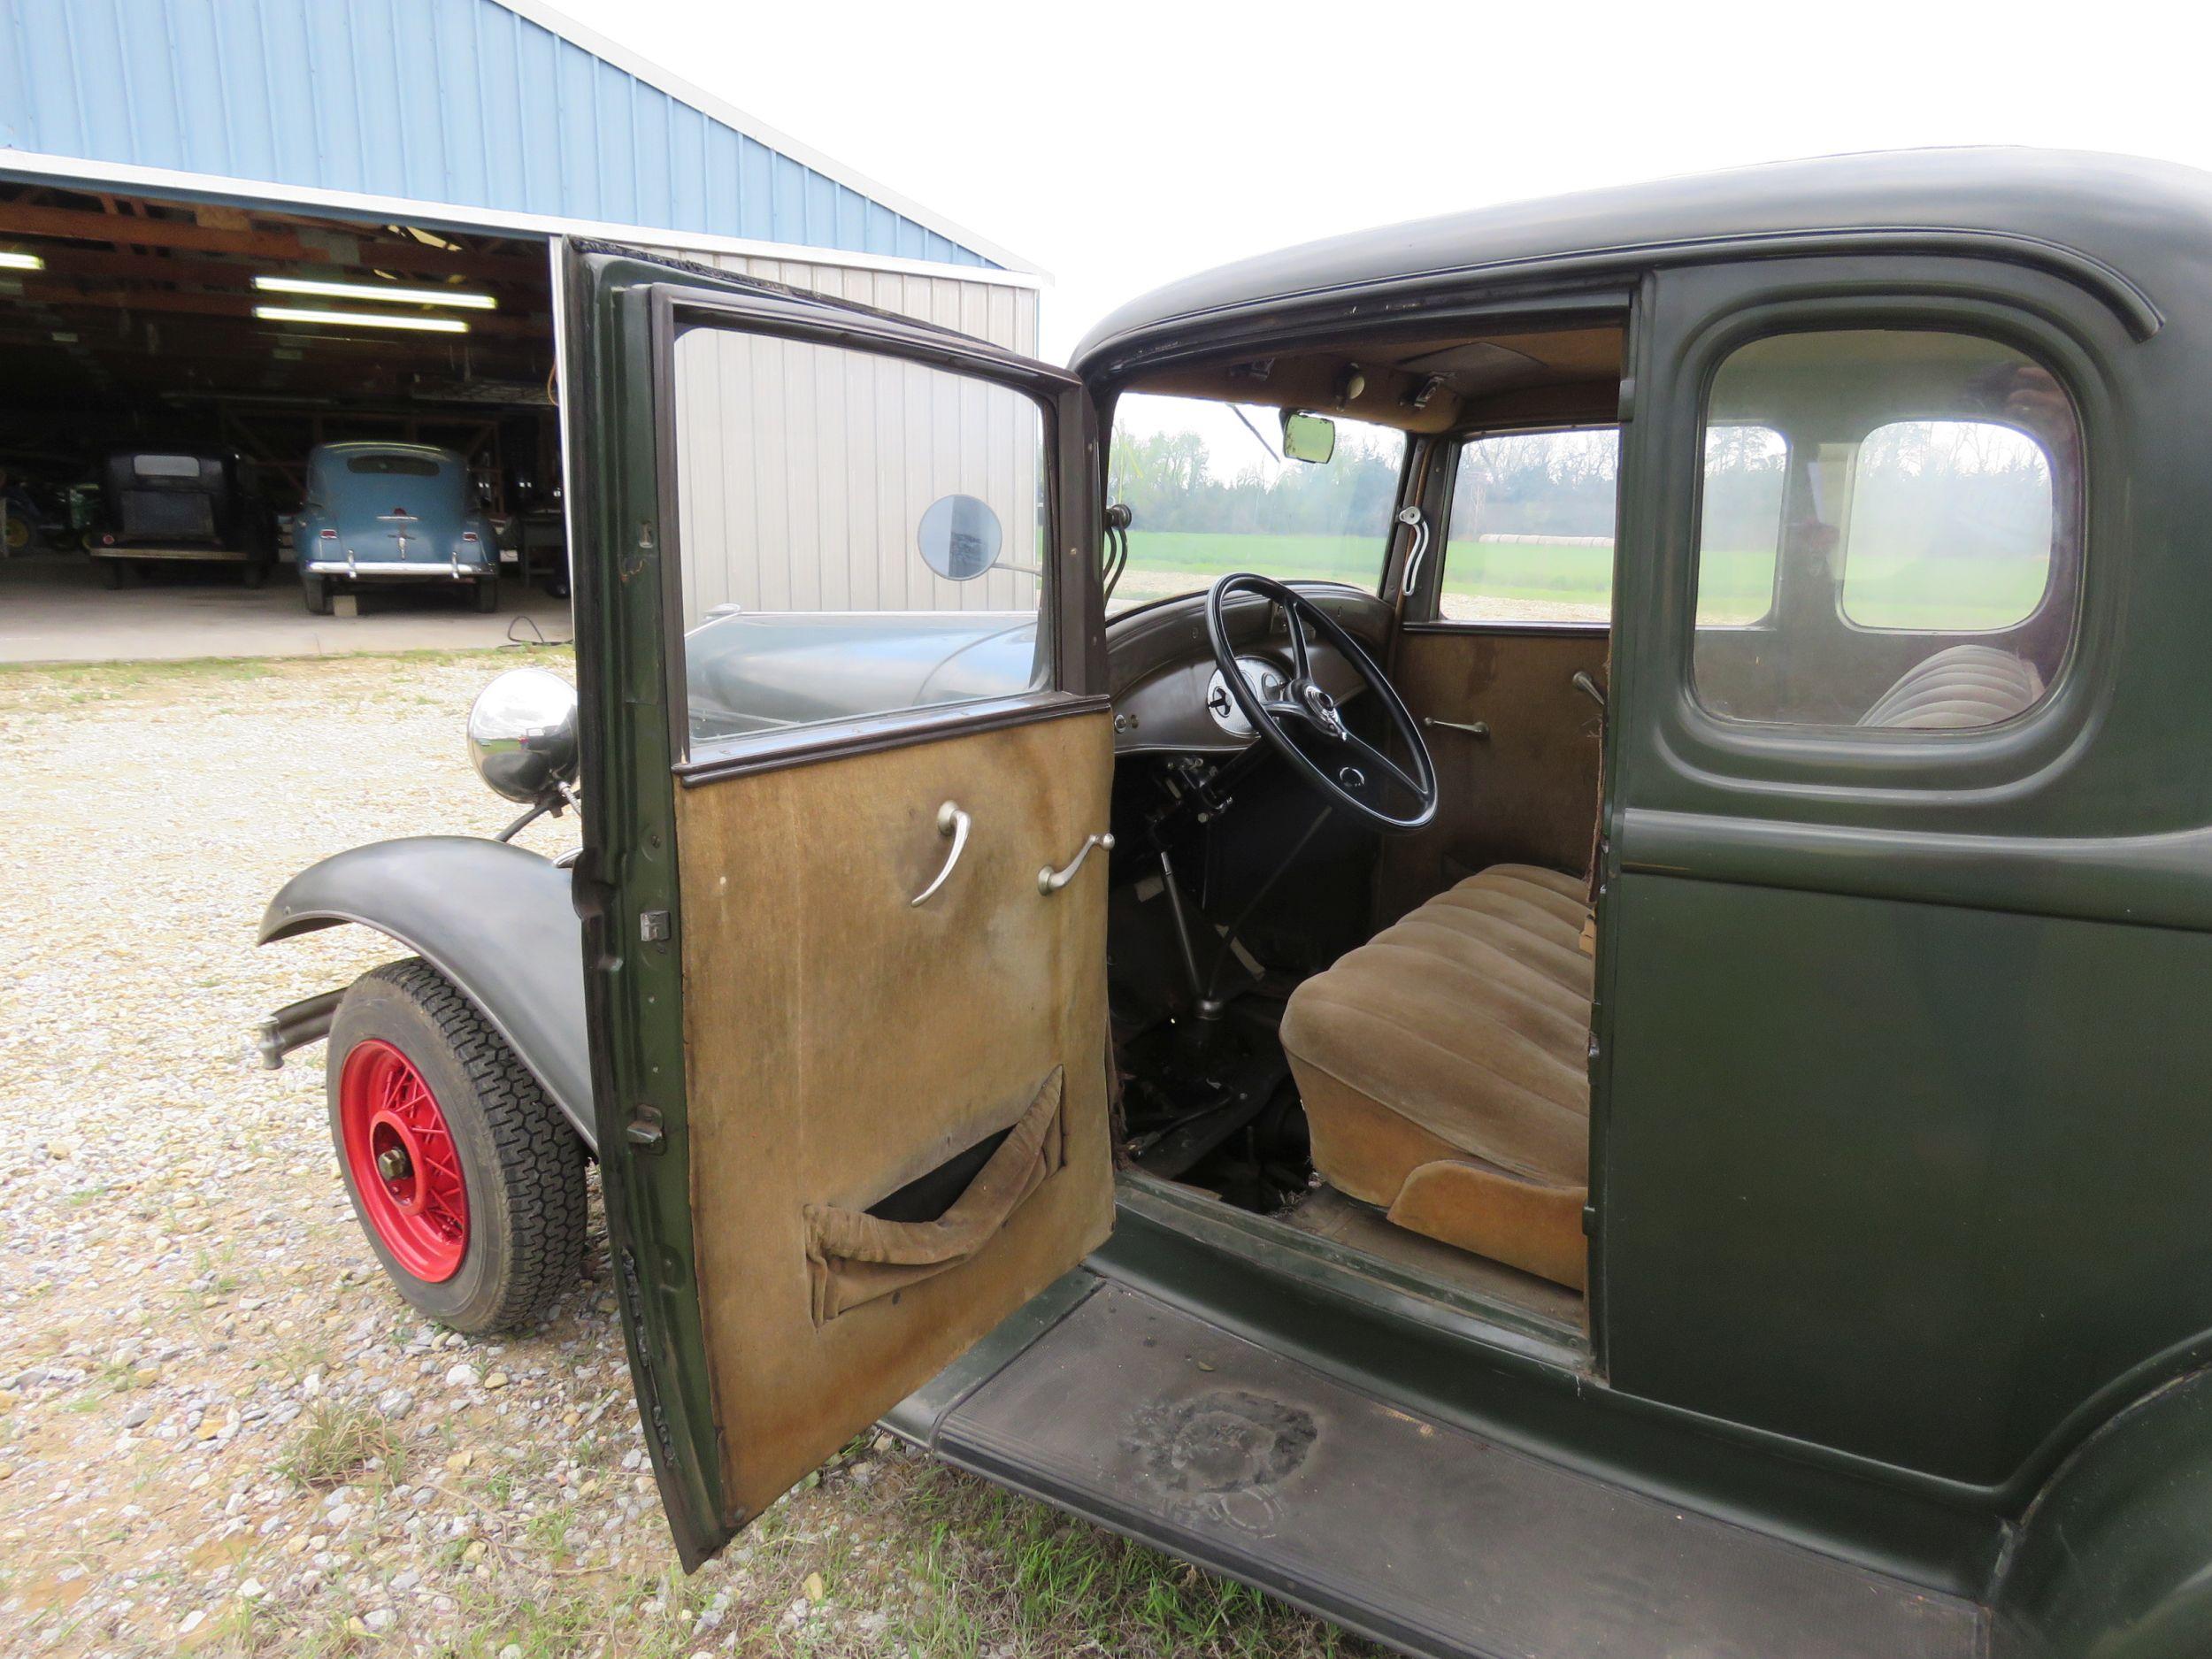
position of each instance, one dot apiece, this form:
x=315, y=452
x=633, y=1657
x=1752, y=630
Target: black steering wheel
x=1302, y=720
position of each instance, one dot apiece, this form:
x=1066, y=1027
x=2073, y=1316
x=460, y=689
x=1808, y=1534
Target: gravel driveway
x=219, y=1431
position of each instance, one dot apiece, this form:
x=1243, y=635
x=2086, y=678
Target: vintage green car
x=1499, y=928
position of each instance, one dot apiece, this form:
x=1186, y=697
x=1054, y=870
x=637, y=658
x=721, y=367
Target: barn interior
x=134, y=322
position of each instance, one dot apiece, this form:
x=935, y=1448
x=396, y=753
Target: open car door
x=840, y=660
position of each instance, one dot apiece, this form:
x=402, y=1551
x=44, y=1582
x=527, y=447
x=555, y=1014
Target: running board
x=1414, y=1532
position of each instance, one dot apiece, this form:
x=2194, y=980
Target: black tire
x=487, y=595
x=521, y=1163
x=315, y=594
x=557, y=584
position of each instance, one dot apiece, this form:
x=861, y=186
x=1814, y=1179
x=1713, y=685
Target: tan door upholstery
x=1527, y=793
x=841, y=1042
x=1444, y=1067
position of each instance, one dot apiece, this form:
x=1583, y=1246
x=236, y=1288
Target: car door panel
x=842, y=1042
x=843, y=1134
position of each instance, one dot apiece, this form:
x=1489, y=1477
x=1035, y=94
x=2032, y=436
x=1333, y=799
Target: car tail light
x=468, y=535
x=330, y=536
x=107, y=540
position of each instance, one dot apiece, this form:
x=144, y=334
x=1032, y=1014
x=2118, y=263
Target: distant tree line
x=1166, y=479
x=1922, y=486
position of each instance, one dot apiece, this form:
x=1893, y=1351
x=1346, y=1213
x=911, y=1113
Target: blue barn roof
x=498, y=105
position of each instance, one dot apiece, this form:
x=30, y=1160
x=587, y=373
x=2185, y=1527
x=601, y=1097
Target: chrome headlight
x=522, y=734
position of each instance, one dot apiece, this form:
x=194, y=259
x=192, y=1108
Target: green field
x=1530, y=578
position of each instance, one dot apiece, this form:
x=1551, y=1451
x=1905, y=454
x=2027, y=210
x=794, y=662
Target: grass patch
x=337, y=1443
x=160, y=671
x=48, y=686
x=996, y=1567
x=555, y=1623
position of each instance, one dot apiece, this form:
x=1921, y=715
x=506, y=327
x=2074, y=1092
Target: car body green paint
x=1900, y=1158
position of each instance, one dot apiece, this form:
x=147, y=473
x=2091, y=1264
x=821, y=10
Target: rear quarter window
x=1889, y=532
x=394, y=465
x=1949, y=526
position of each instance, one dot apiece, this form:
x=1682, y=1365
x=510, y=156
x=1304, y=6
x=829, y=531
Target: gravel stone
x=188, y=1301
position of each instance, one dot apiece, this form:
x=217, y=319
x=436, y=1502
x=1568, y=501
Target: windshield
x=1209, y=492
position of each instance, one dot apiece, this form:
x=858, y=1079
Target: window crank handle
x=1050, y=880
x=953, y=822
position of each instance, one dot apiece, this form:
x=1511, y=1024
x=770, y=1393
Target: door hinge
x=644, y=1131
x=654, y=927
x=1589, y=1221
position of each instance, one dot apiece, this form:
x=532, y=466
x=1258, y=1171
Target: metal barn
x=163, y=162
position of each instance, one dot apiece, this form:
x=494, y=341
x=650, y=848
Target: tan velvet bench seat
x=1444, y=1068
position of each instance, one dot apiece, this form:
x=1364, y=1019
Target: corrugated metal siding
x=453, y=101
x=803, y=473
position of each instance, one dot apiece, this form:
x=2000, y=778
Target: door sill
x=1432, y=1537
x=1519, y=1323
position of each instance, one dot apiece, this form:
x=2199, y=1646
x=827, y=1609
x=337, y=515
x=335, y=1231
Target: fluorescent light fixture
x=361, y=320
x=376, y=291
x=21, y=261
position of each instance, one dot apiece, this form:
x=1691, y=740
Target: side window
x=1950, y=527
x=858, y=534
x=1739, y=524
x=1530, y=533
x=1889, y=534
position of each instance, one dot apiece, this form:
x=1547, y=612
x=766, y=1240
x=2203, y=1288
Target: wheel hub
x=402, y=1160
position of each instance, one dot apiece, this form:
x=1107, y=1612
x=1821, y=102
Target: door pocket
x=855, y=1257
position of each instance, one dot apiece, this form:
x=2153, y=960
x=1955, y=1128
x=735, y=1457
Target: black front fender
x=494, y=918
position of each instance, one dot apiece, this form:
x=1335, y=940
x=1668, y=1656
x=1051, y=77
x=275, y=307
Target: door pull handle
x=1473, y=728
x=1050, y=880
x=953, y=822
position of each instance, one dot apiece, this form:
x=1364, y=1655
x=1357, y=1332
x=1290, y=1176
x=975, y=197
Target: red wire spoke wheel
x=466, y=1178
x=400, y=1155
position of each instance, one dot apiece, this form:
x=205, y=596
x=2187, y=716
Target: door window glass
x=1530, y=533
x=1922, y=492
x=1210, y=491
x=859, y=533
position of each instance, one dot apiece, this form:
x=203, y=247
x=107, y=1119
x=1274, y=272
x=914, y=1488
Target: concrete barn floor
x=58, y=609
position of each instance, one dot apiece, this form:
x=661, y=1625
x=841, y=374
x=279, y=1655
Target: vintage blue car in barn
x=387, y=513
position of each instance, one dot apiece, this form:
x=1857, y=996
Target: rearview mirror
x=959, y=537
x=1310, y=438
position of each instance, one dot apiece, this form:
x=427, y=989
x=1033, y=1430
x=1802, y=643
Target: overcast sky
x=1121, y=145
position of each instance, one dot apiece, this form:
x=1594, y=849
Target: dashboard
x=1167, y=688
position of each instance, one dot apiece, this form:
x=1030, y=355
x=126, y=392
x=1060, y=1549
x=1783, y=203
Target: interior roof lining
x=1521, y=359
